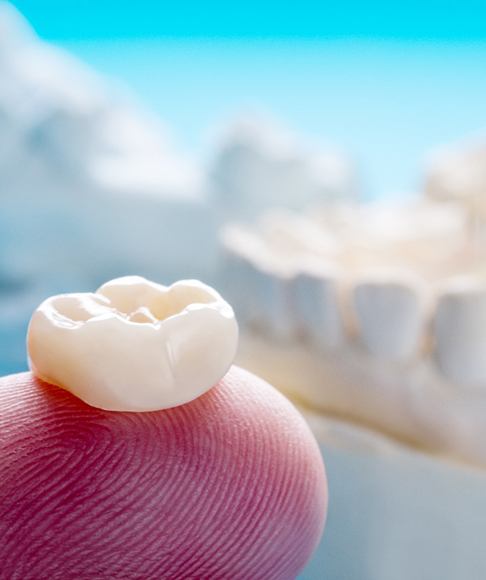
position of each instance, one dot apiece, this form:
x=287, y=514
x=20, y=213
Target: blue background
x=415, y=19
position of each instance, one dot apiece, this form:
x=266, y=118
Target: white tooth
x=259, y=282
x=390, y=316
x=238, y=270
x=272, y=304
x=240, y=246
x=317, y=308
x=460, y=332
x=134, y=345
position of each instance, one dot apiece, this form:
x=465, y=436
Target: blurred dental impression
x=333, y=189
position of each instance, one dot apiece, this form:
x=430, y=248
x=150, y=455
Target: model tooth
x=272, y=307
x=460, y=332
x=134, y=345
x=241, y=247
x=390, y=316
x=259, y=282
x=317, y=308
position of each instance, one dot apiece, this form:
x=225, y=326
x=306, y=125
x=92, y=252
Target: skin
x=231, y=485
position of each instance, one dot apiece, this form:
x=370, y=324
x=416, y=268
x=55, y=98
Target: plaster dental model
x=376, y=314
x=216, y=476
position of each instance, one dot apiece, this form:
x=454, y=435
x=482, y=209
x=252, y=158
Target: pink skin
x=231, y=485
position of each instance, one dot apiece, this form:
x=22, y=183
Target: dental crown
x=134, y=345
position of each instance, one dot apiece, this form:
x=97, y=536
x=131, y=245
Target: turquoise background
x=415, y=19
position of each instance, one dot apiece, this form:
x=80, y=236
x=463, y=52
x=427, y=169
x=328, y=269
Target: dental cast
x=134, y=345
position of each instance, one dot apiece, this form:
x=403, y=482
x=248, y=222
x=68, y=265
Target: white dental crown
x=134, y=345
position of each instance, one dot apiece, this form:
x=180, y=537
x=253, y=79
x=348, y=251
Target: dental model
x=222, y=479
x=372, y=313
x=174, y=342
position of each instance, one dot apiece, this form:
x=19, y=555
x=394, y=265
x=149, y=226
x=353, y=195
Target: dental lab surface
x=219, y=478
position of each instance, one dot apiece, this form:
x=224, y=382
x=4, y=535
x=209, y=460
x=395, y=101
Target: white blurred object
x=259, y=165
x=67, y=114
x=458, y=171
x=460, y=332
x=90, y=185
x=390, y=316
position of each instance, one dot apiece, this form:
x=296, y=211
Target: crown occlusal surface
x=134, y=345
